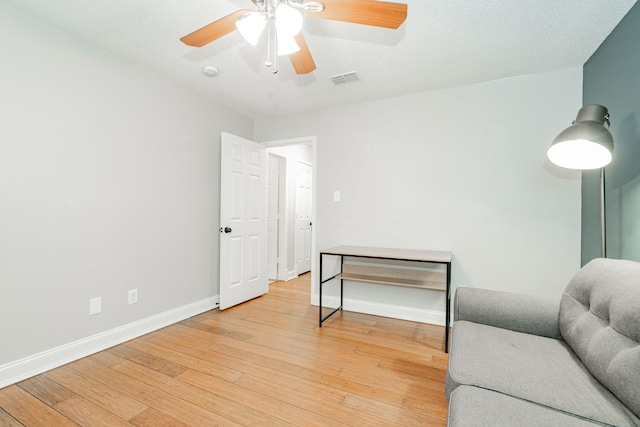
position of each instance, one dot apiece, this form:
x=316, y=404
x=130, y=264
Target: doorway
x=291, y=248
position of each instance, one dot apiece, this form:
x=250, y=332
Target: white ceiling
x=441, y=44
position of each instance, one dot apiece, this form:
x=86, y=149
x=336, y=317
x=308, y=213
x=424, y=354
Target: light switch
x=336, y=196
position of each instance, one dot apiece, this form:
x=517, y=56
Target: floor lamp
x=585, y=145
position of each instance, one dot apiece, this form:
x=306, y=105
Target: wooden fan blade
x=365, y=12
x=302, y=60
x=214, y=31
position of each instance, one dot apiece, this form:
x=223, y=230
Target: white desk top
x=408, y=254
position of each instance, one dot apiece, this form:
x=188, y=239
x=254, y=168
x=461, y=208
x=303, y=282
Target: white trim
x=291, y=274
x=29, y=366
x=413, y=314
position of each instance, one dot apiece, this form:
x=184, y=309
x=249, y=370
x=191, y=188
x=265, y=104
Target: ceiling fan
x=283, y=22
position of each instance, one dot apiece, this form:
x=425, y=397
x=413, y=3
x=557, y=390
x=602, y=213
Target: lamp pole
x=603, y=222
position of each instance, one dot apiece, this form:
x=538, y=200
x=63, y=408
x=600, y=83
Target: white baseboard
x=413, y=314
x=292, y=274
x=29, y=366
x=287, y=275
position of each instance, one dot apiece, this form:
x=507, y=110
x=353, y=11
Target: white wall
x=109, y=181
x=460, y=169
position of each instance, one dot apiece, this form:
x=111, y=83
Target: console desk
x=396, y=267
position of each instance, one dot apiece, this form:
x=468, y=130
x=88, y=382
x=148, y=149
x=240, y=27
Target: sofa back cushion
x=600, y=320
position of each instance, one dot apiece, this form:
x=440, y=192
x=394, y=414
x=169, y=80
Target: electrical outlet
x=95, y=306
x=133, y=296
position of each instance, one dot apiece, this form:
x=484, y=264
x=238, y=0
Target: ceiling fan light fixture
x=286, y=45
x=284, y=18
x=251, y=25
x=288, y=20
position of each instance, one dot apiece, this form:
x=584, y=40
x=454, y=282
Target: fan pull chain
x=272, y=45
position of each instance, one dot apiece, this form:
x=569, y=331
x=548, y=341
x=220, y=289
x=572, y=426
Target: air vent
x=345, y=78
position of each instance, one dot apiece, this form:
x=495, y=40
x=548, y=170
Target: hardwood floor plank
x=153, y=418
x=177, y=354
x=89, y=414
x=45, y=389
x=156, y=363
x=224, y=332
x=408, y=368
x=97, y=393
x=106, y=358
x=30, y=411
x=7, y=420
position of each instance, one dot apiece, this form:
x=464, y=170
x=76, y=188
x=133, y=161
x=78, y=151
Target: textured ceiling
x=441, y=44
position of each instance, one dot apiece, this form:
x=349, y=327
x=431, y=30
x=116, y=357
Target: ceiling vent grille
x=345, y=78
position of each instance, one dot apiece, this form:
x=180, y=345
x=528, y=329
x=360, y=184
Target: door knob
x=226, y=229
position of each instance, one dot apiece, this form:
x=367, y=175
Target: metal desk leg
x=341, y=280
x=448, y=310
x=321, y=283
x=320, y=295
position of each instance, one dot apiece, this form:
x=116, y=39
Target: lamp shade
x=288, y=20
x=286, y=45
x=288, y=25
x=586, y=144
x=250, y=25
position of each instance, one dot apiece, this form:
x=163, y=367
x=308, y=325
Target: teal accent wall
x=612, y=79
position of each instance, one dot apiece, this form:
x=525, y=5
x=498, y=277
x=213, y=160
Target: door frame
x=310, y=140
x=281, y=190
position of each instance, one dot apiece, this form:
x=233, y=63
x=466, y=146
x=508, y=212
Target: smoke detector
x=210, y=71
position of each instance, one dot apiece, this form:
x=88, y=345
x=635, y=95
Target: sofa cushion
x=533, y=368
x=477, y=407
x=518, y=312
x=600, y=320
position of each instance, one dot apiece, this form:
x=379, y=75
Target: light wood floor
x=263, y=363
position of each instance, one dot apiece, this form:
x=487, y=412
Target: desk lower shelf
x=393, y=281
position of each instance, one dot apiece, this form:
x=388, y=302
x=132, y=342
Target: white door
x=303, y=217
x=243, y=226
x=273, y=216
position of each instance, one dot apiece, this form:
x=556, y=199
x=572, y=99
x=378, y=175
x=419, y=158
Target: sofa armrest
x=507, y=310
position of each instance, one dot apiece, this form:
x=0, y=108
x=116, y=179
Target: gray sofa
x=517, y=360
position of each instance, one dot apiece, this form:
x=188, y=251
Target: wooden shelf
x=394, y=281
